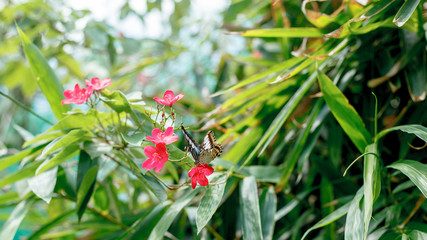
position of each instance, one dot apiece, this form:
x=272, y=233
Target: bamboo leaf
x=45, y=77
x=25, y=172
x=59, y=158
x=43, y=184
x=284, y=32
x=85, y=190
x=268, y=207
x=335, y=215
x=419, y=130
x=10, y=160
x=249, y=205
x=281, y=118
x=167, y=219
x=72, y=137
x=10, y=227
x=209, y=203
x=405, y=12
x=344, y=113
x=354, y=226
x=415, y=171
x=371, y=183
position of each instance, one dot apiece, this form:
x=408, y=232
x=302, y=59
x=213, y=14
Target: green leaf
x=209, y=203
x=59, y=158
x=296, y=150
x=10, y=160
x=85, y=190
x=290, y=205
x=119, y=103
x=268, y=207
x=281, y=118
x=419, y=130
x=80, y=120
x=43, y=184
x=46, y=227
x=45, y=77
x=72, y=137
x=167, y=219
x=157, y=188
x=249, y=206
x=415, y=171
x=274, y=69
x=8, y=197
x=10, y=227
x=284, y=32
x=135, y=139
x=262, y=173
x=354, y=227
x=371, y=183
x=335, y=215
x=405, y=12
x=344, y=113
x=25, y=172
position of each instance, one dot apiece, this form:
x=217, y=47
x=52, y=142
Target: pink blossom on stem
x=199, y=173
x=168, y=98
x=98, y=84
x=78, y=95
x=166, y=137
x=157, y=156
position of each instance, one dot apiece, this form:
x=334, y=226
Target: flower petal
x=149, y=164
x=156, y=132
x=149, y=151
x=193, y=182
x=192, y=172
x=203, y=181
x=168, y=95
x=178, y=97
x=207, y=170
x=168, y=132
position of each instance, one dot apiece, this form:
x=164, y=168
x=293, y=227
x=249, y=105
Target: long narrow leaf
x=167, y=219
x=249, y=205
x=419, y=130
x=209, y=204
x=405, y=12
x=415, y=171
x=335, y=215
x=45, y=77
x=371, y=183
x=9, y=229
x=344, y=113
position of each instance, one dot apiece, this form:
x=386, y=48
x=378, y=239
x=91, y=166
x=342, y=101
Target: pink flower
x=98, y=84
x=168, y=98
x=157, y=156
x=77, y=96
x=159, y=137
x=199, y=173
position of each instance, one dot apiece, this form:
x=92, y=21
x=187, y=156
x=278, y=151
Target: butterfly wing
x=192, y=145
x=209, y=148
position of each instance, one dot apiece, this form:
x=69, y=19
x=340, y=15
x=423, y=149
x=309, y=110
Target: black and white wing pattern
x=207, y=151
x=209, y=148
x=193, y=147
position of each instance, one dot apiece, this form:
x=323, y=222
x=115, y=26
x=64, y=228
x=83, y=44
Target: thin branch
x=25, y=107
x=417, y=206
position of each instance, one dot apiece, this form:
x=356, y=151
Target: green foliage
x=292, y=107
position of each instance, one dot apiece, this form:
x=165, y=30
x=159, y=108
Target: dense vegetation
x=319, y=107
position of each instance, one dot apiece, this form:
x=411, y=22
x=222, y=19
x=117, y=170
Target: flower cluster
x=81, y=95
x=157, y=156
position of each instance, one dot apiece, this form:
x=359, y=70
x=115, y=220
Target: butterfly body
x=205, y=152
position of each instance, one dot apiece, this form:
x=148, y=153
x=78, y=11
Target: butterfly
x=205, y=152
